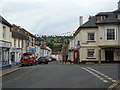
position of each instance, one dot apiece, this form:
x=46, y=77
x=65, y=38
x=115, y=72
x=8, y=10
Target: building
x=99, y=38
x=30, y=44
x=18, y=45
x=5, y=42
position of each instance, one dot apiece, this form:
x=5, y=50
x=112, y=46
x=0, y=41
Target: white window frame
x=116, y=34
x=88, y=36
x=93, y=53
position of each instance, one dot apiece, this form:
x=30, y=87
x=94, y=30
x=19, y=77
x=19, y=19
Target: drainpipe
x=99, y=56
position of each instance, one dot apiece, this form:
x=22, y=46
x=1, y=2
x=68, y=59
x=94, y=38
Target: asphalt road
x=56, y=75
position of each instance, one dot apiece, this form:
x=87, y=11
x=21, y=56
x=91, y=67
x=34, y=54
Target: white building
x=99, y=37
x=5, y=41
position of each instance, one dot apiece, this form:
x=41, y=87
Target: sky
x=50, y=17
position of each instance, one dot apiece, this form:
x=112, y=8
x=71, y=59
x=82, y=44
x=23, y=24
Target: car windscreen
x=25, y=58
x=43, y=58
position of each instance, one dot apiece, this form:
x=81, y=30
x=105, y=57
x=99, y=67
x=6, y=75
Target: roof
x=117, y=11
x=91, y=23
x=3, y=21
x=18, y=35
x=109, y=20
x=108, y=14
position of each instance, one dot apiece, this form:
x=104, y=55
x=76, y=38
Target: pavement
x=10, y=70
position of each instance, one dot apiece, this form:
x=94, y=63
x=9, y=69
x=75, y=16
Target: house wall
x=7, y=33
x=103, y=41
x=84, y=36
x=83, y=54
x=85, y=45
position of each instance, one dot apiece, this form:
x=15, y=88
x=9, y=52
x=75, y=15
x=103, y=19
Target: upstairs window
x=4, y=32
x=111, y=34
x=100, y=18
x=91, y=36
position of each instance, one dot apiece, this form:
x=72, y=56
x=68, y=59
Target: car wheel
x=22, y=65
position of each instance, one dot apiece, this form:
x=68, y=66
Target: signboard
x=32, y=50
x=5, y=44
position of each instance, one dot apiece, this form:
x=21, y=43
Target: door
x=109, y=55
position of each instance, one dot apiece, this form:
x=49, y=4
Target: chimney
x=81, y=20
x=119, y=4
x=90, y=17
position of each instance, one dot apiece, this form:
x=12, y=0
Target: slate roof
x=91, y=23
x=18, y=35
x=109, y=20
x=117, y=11
x=3, y=21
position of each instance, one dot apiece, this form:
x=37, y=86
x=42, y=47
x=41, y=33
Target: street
x=54, y=75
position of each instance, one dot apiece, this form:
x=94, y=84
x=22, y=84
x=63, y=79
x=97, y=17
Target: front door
x=109, y=55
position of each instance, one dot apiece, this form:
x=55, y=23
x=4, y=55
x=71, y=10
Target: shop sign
x=4, y=44
x=32, y=50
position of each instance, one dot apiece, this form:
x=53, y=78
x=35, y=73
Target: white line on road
x=96, y=75
x=109, y=78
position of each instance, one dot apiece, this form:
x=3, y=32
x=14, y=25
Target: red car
x=27, y=59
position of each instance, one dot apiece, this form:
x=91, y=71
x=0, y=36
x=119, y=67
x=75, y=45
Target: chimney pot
x=81, y=20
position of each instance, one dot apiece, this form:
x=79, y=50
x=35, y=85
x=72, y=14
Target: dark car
x=44, y=60
x=49, y=58
x=53, y=59
x=27, y=59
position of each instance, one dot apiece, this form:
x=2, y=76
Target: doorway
x=109, y=55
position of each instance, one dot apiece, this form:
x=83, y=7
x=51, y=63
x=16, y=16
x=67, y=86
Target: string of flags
x=55, y=35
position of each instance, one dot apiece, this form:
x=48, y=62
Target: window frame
x=90, y=36
x=115, y=32
x=93, y=57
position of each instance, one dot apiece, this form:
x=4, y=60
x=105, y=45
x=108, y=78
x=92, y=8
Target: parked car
x=44, y=60
x=53, y=59
x=49, y=58
x=27, y=59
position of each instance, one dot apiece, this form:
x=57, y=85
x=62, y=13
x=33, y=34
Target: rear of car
x=43, y=60
x=28, y=60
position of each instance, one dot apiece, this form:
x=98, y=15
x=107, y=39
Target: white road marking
x=96, y=75
x=109, y=78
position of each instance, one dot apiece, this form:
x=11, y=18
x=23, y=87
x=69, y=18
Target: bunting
x=56, y=35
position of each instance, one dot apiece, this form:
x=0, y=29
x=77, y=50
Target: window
x=91, y=37
x=14, y=43
x=22, y=44
x=4, y=32
x=18, y=43
x=111, y=34
x=90, y=53
x=100, y=18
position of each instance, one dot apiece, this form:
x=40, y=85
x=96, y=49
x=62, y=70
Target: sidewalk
x=8, y=71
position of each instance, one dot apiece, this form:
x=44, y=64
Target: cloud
x=52, y=16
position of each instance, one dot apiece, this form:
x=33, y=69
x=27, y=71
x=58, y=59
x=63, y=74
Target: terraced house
x=5, y=42
x=99, y=38
x=18, y=44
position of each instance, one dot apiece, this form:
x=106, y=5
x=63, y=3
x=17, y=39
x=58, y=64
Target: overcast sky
x=49, y=17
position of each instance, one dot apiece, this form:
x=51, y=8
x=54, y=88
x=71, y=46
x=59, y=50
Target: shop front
x=15, y=55
x=110, y=54
x=4, y=54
